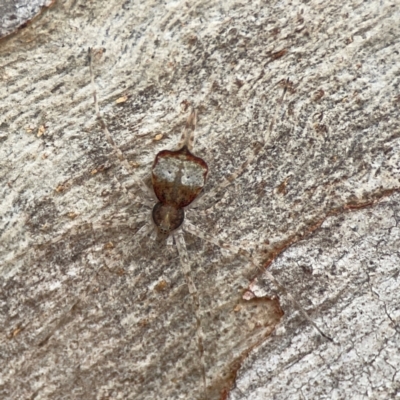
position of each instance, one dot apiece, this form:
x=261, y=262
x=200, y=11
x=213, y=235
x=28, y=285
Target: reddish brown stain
x=278, y=54
x=350, y=206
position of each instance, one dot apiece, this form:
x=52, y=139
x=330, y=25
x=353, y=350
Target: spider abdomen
x=178, y=177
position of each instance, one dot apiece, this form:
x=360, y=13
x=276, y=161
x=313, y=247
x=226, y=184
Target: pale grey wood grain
x=16, y=14
x=88, y=311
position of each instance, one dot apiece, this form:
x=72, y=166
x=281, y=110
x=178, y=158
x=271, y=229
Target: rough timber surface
x=17, y=14
x=87, y=310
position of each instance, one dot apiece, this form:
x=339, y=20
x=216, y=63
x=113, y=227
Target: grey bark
x=16, y=14
x=90, y=310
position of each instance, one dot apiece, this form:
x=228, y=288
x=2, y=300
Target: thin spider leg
x=206, y=211
x=80, y=297
x=188, y=136
x=79, y=228
x=145, y=230
x=186, y=268
x=90, y=227
x=137, y=199
x=190, y=228
x=120, y=220
x=116, y=149
x=116, y=221
x=265, y=140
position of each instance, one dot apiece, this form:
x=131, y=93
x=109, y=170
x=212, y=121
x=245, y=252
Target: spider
x=178, y=177
x=190, y=301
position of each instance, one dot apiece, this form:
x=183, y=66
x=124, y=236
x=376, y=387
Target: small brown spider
x=178, y=178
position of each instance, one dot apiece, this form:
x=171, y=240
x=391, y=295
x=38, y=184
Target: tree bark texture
x=308, y=92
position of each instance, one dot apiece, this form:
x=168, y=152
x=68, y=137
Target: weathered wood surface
x=87, y=310
x=17, y=14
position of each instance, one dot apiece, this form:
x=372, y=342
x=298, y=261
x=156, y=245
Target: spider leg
x=190, y=228
x=188, y=136
x=145, y=230
x=186, y=268
x=120, y=220
x=265, y=140
x=124, y=162
x=135, y=199
x=80, y=227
